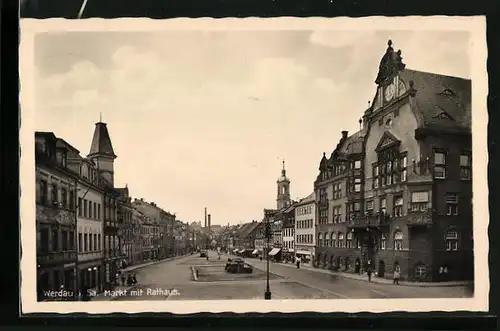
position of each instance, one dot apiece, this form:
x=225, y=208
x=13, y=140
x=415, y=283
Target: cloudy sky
x=204, y=118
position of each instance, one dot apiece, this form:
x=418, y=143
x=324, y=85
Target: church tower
x=102, y=153
x=283, y=196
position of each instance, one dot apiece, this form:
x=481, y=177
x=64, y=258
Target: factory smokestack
x=205, y=216
x=209, y=221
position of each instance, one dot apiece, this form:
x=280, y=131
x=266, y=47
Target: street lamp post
x=267, y=294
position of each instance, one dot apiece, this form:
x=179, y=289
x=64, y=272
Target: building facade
x=55, y=215
x=409, y=191
x=288, y=229
x=127, y=236
x=103, y=156
x=305, y=232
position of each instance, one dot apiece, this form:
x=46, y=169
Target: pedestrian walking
x=369, y=273
x=396, y=276
x=298, y=262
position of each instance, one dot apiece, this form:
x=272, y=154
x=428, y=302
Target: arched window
x=320, y=241
x=383, y=242
x=332, y=239
x=341, y=239
x=451, y=240
x=398, y=241
x=349, y=240
x=325, y=239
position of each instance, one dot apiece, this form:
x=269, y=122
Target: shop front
x=305, y=254
x=90, y=275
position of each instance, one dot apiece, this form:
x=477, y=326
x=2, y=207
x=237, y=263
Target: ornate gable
x=387, y=140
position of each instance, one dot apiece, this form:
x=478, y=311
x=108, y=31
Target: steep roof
x=310, y=198
x=101, y=142
x=443, y=101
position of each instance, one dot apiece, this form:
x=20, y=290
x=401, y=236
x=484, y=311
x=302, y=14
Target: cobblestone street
x=174, y=280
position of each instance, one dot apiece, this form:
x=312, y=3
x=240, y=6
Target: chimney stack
x=344, y=134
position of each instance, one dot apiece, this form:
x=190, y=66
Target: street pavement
x=173, y=280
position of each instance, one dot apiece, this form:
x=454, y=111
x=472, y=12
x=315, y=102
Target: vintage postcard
x=254, y=165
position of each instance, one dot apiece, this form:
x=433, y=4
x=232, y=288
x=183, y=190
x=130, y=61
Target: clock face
x=402, y=88
x=389, y=92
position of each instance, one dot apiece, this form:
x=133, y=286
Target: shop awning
x=241, y=251
x=291, y=250
x=304, y=252
x=274, y=251
x=235, y=250
x=256, y=251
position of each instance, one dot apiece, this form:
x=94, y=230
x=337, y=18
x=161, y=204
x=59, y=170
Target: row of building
x=397, y=194
x=86, y=228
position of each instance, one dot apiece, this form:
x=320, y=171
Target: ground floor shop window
x=420, y=271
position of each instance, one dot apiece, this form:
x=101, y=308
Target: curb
x=132, y=267
x=193, y=271
x=374, y=280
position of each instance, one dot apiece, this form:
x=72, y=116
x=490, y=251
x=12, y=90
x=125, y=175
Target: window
x=325, y=239
x=80, y=207
x=337, y=217
x=349, y=240
x=99, y=241
x=383, y=205
x=369, y=205
x=320, y=239
x=357, y=164
x=451, y=240
x=90, y=209
x=398, y=241
x=465, y=167
x=334, y=240
x=85, y=243
x=404, y=166
x=71, y=240
x=55, y=200
x=65, y=240
x=64, y=198
x=85, y=211
x=337, y=191
x=99, y=211
x=90, y=242
x=71, y=199
x=55, y=240
x=95, y=242
x=439, y=165
x=357, y=185
x=383, y=242
x=80, y=243
x=398, y=207
x=375, y=176
x=341, y=239
x=43, y=192
x=420, y=270
x=44, y=240
x=452, y=204
x=323, y=217
x=419, y=201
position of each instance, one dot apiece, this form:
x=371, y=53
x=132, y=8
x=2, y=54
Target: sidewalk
x=102, y=297
x=376, y=279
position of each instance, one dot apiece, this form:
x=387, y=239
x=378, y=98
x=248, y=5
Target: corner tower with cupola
x=283, y=195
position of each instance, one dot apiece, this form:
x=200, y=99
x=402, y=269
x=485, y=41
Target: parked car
x=238, y=266
x=203, y=253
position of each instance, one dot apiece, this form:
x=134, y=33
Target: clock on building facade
x=389, y=92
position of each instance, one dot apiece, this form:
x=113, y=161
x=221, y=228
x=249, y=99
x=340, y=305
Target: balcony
x=53, y=214
x=55, y=258
x=420, y=219
x=367, y=221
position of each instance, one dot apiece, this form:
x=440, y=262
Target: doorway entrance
x=381, y=269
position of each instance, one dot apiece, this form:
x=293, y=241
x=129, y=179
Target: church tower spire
x=283, y=185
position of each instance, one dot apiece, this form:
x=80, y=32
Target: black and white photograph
x=254, y=165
